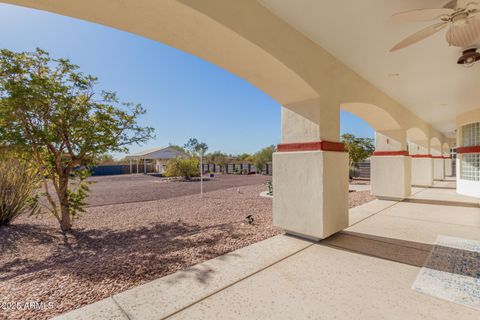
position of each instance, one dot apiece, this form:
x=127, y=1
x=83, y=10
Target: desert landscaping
x=114, y=247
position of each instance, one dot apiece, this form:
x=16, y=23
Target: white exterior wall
x=466, y=187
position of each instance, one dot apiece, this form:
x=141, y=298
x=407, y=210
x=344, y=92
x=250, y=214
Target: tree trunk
x=66, y=221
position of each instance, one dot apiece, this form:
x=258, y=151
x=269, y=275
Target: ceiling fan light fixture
x=469, y=57
x=464, y=35
x=460, y=16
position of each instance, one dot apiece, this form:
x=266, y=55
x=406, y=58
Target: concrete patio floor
x=363, y=272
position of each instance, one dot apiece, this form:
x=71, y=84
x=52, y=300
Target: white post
x=130, y=165
x=137, y=166
x=321, y=175
x=144, y=166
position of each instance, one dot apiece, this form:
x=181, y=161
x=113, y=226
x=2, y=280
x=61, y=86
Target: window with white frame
x=470, y=169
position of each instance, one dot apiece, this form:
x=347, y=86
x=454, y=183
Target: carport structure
x=315, y=58
x=160, y=156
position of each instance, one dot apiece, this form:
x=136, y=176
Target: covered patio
x=303, y=59
x=316, y=58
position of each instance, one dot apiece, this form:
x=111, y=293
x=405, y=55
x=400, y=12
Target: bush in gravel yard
x=180, y=167
x=54, y=114
x=358, y=149
x=18, y=184
x=262, y=157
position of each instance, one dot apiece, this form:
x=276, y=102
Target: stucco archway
x=435, y=146
x=446, y=148
x=378, y=118
x=180, y=26
x=245, y=38
x=416, y=135
x=418, y=142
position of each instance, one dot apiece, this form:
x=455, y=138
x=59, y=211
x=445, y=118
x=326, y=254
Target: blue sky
x=184, y=95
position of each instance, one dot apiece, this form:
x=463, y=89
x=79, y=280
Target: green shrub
x=262, y=157
x=270, y=187
x=353, y=172
x=180, y=167
x=18, y=185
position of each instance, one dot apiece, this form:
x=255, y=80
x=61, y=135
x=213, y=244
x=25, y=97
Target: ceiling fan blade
x=463, y=3
x=421, y=15
x=420, y=35
x=452, y=4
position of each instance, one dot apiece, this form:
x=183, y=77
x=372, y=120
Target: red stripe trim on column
x=437, y=157
x=391, y=153
x=472, y=149
x=311, y=146
x=447, y=157
x=421, y=155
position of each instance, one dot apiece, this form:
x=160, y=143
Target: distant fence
x=115, y=169
x=361, y=170
x=109, y=170
x=236, y=168
x=231, y=168
x=268, y=169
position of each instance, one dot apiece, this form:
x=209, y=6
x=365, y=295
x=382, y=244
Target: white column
x=391, y=166
x=438, y=165
x=310, y=175
x=130, y=161
x=422, y=164
x=448, y=166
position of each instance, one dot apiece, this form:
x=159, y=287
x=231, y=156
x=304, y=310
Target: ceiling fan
x=460, y=16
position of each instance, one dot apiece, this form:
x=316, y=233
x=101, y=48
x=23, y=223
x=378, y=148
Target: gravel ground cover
x=138, y=187
x=116, y=247
x=359, y=197
x=360, y=182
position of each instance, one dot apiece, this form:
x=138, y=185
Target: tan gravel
x=359, y=197
x=116, y=247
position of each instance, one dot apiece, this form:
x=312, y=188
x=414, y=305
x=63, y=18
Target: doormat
x=452, y=272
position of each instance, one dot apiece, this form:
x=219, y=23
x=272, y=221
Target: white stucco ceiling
x=361, y=33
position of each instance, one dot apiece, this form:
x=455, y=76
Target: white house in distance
x=159, y=156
